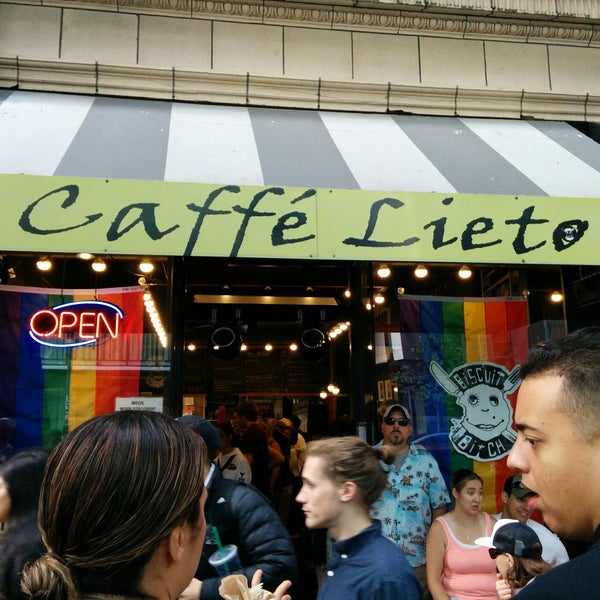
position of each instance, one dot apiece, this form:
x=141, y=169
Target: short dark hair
x=225, y=427
x=22, y=474
x=246, y=409
x=575, y=358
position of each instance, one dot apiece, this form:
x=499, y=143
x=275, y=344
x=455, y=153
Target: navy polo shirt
x=368, y=566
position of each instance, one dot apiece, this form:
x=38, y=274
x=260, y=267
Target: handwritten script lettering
x=233, y=220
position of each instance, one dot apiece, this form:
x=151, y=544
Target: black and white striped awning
x=117, y=138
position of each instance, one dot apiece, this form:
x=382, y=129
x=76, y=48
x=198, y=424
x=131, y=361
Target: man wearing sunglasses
x=415, y=493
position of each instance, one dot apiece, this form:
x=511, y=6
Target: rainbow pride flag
x=46, y=391
x=457, y=370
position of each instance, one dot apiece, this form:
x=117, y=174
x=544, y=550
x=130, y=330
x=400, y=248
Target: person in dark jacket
x=20, y=481
x=243, y=516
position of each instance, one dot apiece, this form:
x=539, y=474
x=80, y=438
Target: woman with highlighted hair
x=121, y=511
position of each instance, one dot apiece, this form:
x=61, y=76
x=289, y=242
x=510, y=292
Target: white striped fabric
x=57, y=134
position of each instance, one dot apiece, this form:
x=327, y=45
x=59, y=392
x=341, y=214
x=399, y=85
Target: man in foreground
x=557, y=449
x=341, y=478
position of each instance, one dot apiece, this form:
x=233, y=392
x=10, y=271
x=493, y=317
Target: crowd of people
x=134, y=503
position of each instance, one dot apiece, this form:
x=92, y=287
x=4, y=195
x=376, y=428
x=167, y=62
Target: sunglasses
x=400, y=420
x=494, y=553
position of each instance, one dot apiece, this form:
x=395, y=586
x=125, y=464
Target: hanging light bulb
x=465, y=272
x=146, y=266
x=421, y=271
x=99, y=265
x=44, y=263
x=383, y=271
x=379, y=299
x=556, y=297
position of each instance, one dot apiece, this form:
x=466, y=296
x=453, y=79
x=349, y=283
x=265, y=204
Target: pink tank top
x=469, y=572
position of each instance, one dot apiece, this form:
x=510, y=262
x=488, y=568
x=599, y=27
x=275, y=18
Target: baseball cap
x=206, y=430
x=513, y=537
x=514, y=485
x=394, y=407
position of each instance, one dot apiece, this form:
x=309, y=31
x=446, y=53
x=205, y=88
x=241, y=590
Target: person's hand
x=503, y=589
x=282, y=588
x=192, y=591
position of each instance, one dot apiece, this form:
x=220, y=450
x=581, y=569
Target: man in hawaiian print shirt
x=415, y=493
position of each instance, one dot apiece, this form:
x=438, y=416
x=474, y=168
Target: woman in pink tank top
x=457, y=568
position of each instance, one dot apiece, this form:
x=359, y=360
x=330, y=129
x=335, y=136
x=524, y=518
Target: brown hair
x=524, y=570
x=461, y=477
x=349, y=458
x=113, y=489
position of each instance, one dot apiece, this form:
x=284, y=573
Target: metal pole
x=173, y=401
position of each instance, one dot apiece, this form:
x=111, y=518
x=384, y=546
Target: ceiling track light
x=421, y=271
x=43, y=263
x=99, y=266
x=465, y=272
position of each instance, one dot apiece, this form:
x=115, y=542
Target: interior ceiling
x=291, y=291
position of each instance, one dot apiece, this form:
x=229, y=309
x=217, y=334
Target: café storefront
x=275, y=221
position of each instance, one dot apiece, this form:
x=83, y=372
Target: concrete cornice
x=572, y=22
x=191, y=86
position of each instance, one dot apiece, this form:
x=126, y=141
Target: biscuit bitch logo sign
x=485, y=430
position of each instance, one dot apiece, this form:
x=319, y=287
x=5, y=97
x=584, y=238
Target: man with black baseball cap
x=415, y=494
x=515, y=497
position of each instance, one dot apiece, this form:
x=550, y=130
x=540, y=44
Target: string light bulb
x=99, y=265
x=421, y=271
x=146, y=266
x=556, y=297
x=44, y=264
x=465, y=272
x=383, y=271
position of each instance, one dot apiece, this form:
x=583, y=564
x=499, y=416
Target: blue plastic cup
x=225, y=560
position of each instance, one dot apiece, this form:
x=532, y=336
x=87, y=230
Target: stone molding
x=529, y=21
x=188, y=86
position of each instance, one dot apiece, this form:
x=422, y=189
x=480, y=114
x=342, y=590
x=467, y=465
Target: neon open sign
x=76, y=323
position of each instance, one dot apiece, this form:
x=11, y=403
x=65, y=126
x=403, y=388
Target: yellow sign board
x=71, y=214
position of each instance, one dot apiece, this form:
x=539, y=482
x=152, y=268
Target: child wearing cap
x=517, y=551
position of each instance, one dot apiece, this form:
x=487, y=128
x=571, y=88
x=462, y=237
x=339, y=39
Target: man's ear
x=175, y=543
x=348, y=491
x=504, y=496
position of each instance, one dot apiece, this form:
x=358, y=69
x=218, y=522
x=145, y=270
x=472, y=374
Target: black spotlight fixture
x=313, y=343
x=224, y=342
